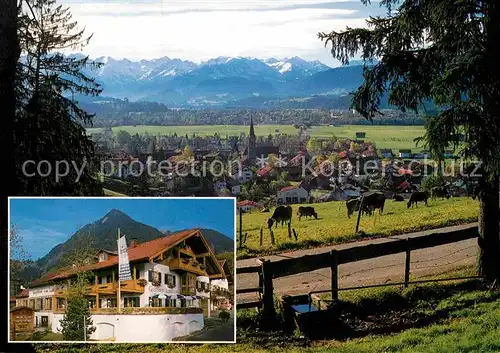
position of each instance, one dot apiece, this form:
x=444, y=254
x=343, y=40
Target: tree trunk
x=489, y=231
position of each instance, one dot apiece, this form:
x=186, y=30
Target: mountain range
x=104, y=233
x=224, y=81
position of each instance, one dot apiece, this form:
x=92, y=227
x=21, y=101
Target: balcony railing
x=130, y=286
x=189, y=265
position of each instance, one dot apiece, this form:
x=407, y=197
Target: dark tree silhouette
x=445, y=52
x=49, y=122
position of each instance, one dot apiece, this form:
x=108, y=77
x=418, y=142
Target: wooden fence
x=268, y=270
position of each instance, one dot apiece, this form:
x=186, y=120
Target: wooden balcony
x=187, y=265
x=130, y=286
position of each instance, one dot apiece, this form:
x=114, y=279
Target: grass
x=334, y=227
x=391, y=136
x=41, y=336
x=469, y=322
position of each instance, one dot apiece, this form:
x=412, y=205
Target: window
x=108, y=279
x=171, y=302
x=60, y=303
x=170, y=280
x=45, y=321
x=132, y=302
x=154, y=302
x=99, y=280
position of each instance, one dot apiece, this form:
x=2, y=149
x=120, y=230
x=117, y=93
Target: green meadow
x=384, y=136
x=333, y=226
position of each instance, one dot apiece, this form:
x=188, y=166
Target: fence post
x=261, y=236
x=289, y=230
x=407, y=264
x=359, y=213
x=335, y=274
x=268, y=310
x=241, y=228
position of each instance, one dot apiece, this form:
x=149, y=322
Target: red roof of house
x=142, y=251
x=264, y=170
x=405, y=171
x=248, y=203
x=24, y=293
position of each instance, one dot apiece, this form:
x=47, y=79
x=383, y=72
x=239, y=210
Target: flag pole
x=119, y=289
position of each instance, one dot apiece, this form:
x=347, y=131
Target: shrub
x=431, y=181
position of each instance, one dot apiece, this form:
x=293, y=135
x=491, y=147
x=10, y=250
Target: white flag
x=123, y=264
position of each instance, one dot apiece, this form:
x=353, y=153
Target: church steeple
x=251, y=143
x=252, y=132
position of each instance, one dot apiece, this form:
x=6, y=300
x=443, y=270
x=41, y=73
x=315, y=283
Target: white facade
x=222, y=283
x=221, y=185
x=139, y=327
x=243, y=176
x=295, y=195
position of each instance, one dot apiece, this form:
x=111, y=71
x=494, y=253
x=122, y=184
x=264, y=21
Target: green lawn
x=333, y=226
x=395, y=137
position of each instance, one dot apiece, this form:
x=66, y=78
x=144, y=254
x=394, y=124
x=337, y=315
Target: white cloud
x=198, y=31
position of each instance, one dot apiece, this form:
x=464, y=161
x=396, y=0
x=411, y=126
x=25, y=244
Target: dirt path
x=372, y=271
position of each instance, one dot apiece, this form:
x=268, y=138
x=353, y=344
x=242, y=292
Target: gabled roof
x=249, y=203
x=288, y=188
x=143, y=251
x=264, y=170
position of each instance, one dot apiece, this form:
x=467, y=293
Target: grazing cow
x=440, y=191
x=307, y=211
x=418, y=196
x=281, y=214
x=374, y=200
x=397, y=197
x=352, y=205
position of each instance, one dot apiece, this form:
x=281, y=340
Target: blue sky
x=200, y=30
x=45, y=223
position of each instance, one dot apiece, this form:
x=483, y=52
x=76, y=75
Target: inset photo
x=124, y=270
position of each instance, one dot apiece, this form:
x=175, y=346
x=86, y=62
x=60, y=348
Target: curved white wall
x=141, y=328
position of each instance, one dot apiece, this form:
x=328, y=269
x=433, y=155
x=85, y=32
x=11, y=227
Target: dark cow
x=397, y=197
x=418, y=196
x=307, y=211
x=440, y=191
x=374, y=200
x=352, y=205
x=281, y=214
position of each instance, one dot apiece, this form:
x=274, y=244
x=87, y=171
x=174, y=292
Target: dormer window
x=103, y=257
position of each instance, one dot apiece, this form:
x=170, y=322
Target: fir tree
x=444, y=52
x=49, y=123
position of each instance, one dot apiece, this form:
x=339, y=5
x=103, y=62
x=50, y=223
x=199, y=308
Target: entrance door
x=45, y=321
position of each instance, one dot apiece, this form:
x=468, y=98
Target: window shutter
x=173, y=280
x=150, y=276
x=165, y=279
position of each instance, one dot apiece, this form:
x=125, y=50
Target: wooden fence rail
x=270, y=270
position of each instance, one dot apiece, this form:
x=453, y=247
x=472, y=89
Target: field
x=333, y=226
x=392, y=136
